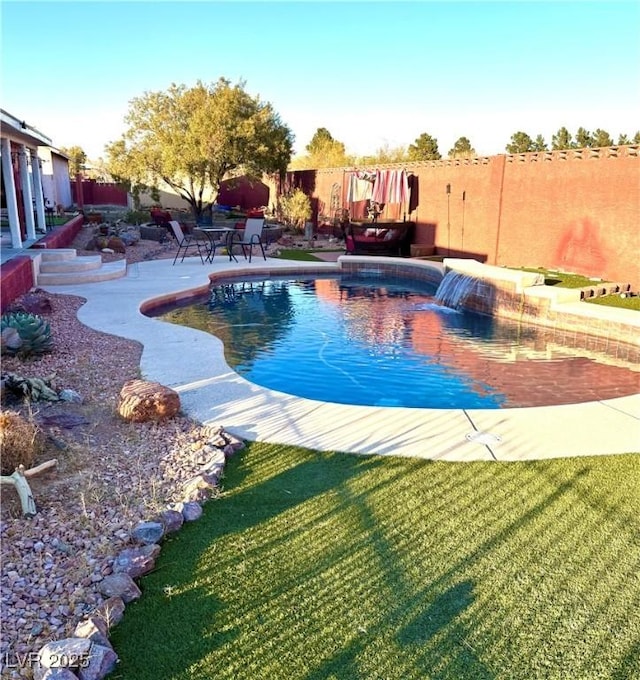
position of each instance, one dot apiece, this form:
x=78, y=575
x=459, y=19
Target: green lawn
x=323, y=566
x=567, y=280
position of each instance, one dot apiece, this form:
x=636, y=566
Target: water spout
x=455, y=288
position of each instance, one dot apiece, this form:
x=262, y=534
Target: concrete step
x=77, y=264
x=105, y=272
x=55, y=254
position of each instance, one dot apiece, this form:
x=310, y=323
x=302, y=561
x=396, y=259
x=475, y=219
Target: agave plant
x=34, y=334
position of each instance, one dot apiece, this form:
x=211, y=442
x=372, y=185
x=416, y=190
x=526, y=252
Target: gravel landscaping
x=110, y=475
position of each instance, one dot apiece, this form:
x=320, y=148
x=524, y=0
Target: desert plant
x=295, y=208
x=137, y=217
x=28, y=389
x=20, y=441
x=33, y=334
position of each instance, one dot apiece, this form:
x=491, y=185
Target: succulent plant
x=33, y=331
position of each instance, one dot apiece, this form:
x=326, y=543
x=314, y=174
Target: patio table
x=226, y=234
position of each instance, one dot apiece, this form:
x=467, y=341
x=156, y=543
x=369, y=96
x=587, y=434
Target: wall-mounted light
x=448, y=188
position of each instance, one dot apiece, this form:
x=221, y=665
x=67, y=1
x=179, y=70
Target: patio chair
x=252, y=236
x=185, y=242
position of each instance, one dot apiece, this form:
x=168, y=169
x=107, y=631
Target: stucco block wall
x=576, y=210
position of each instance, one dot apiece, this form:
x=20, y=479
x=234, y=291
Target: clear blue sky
x=374, y=74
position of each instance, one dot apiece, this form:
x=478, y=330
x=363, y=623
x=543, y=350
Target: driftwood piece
x=18, y=479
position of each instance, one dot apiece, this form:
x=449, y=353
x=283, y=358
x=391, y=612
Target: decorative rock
x=147, y=532
x=199, y=488
x=216, y=456
x=116, y=244
x=103, y=661
x=232, y=440
x=213, y=470
x=172, y=520
x=136, y=561
x=71, y=396
x=94, y=629
x=54, y=674
x=110, y=611
x=141, y=401
x=191, y=511
x=119, y=585
x=67, y=653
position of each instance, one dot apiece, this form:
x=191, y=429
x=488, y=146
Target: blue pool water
x=373, y=341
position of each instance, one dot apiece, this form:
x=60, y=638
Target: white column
x=36, y=172
x=10, y=194
x=27, y=195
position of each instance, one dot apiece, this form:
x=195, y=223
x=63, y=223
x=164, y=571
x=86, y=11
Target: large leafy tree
x=562, y=140
x=77, y=159
x=190, y=139
x=462, y=149
x=425, y=148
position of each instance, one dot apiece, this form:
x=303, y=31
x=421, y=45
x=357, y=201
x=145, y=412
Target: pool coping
x=211, y=392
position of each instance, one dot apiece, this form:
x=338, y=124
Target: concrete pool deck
x=192, y=363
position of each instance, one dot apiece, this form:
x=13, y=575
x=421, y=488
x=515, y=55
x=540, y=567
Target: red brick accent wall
x=16, y=275
x=17, y=278
x=576, y=210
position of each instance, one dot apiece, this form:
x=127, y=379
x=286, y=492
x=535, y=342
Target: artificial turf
x=315, y=566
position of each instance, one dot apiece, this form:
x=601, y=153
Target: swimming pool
x=352, y=339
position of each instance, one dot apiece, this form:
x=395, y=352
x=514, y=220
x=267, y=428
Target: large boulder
x=141, y=401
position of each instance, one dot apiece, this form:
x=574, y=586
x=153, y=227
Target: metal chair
x=188, y=241
x=252, y=236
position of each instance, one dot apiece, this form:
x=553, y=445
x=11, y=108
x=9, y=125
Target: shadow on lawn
x=225, y=601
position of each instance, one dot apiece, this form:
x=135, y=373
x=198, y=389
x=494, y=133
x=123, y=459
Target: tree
x=539, y=144
x=520, y=143
x=323, y=151
x=384, y=155
x=601, y=138
x=320, y=140
x=425, y=148
x=77, y=159
x=562, y=140
x=584, y=138
x=190, y=139
x=462, y=149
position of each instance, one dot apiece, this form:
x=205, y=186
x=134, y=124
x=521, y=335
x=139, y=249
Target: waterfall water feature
x=454, y=288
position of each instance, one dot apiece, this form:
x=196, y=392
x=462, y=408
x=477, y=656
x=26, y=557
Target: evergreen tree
x=584, y=139
x=425, y=148
x=562, y=140
x=462, y=149
x=520, y=143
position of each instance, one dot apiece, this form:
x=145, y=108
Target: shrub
x=20, y=441
x=295, y=208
